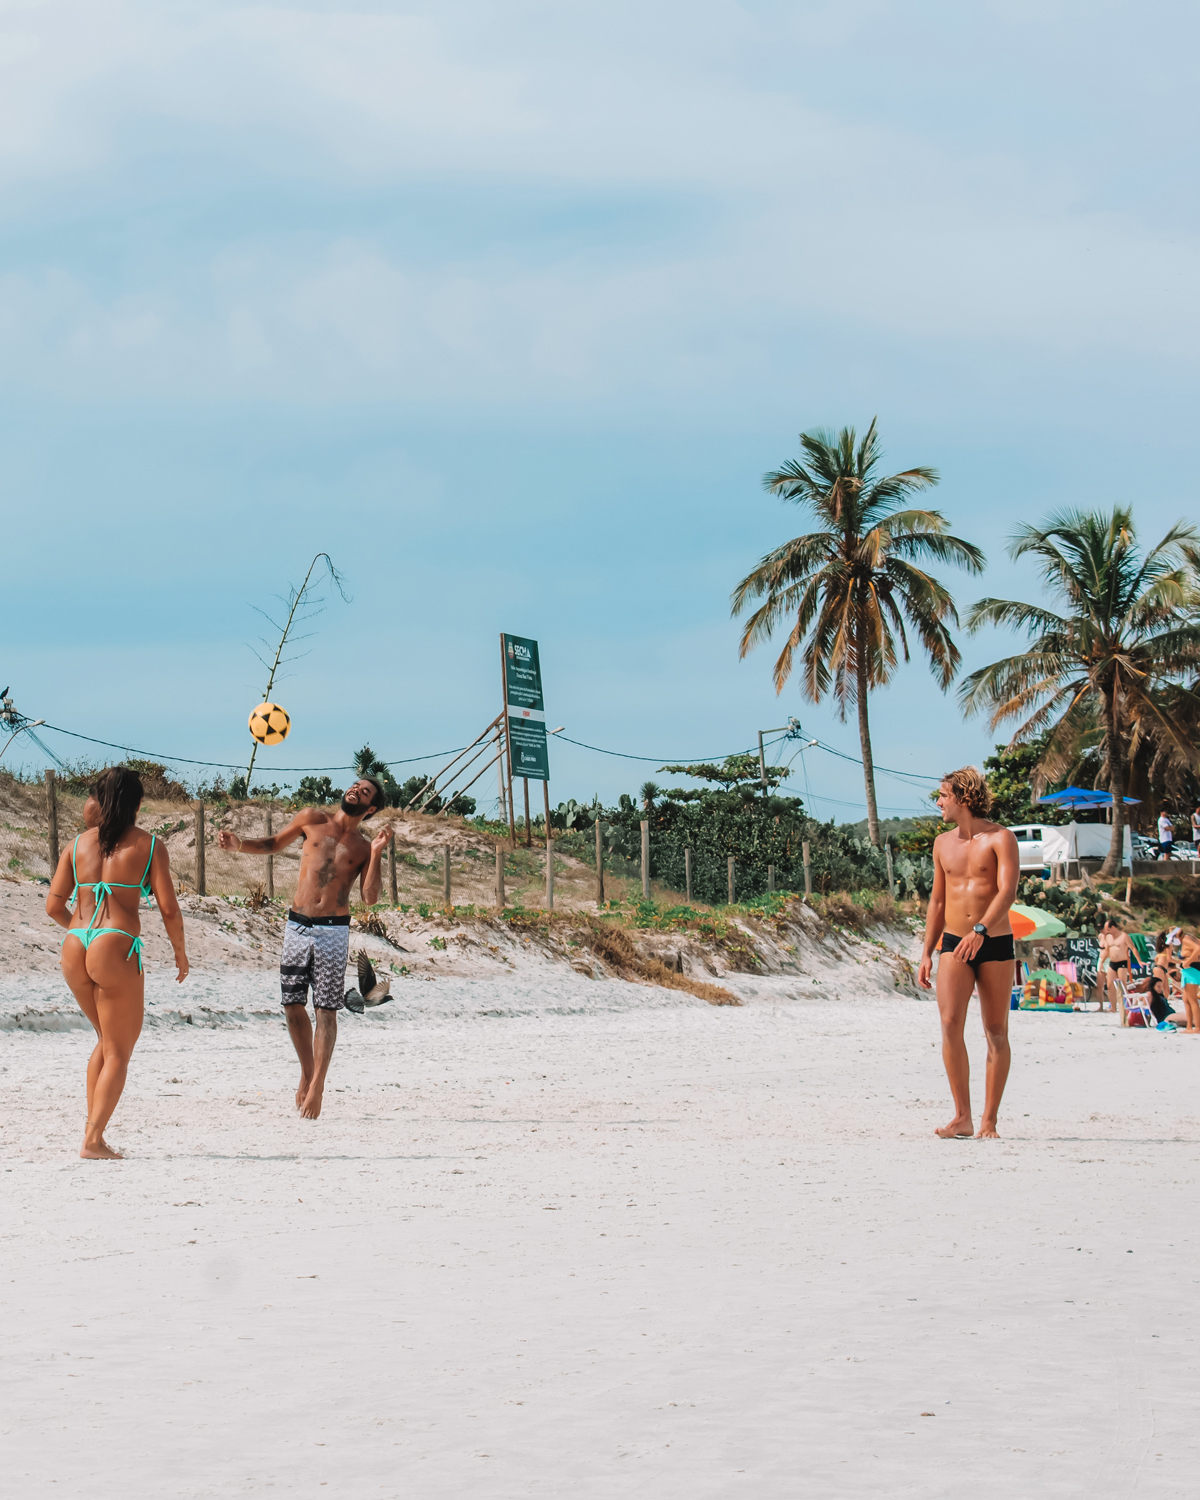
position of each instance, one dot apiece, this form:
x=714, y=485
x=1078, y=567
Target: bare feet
x=311, y=1107
x=302, y=1092
x=988, y=1131
x=100, y=1151
x=957, y=1129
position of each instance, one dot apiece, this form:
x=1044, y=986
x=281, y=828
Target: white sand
x=565, y=1237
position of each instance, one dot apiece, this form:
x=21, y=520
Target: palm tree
x=1112, y=661
x=849, y=588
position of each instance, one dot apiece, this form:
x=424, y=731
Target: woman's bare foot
x=302, y=1091
x=311, y=1107
x=957, y=1129
x=99, y=1151
x=988, y=1131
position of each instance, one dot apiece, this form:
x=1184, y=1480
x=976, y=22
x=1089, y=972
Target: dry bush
x=845, y=911
x=615, y=947
x=256, y=895
x=372, y=922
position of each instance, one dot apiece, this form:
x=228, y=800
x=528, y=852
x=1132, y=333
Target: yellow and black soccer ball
x=270, y=724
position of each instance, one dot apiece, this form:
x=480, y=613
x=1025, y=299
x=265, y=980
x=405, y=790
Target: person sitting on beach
x=1115, y=953
x=975, y=873
x=1165, y=969
x=100, y=874
x=316, y=939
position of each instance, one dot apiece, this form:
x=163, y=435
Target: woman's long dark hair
x=119, y=793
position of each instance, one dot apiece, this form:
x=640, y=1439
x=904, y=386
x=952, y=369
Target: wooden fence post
x=770, y=877
x=446, y=874
x=52, y=816
x=528, y=825
x=270, y=862
x=392, y=868
x=645, y=860
x=887, y=849
x=499, y=877
x=804, y=847
x=201, y=889
x=731, y=880
x=599, y=865
x=549, y=849
x=687, y=871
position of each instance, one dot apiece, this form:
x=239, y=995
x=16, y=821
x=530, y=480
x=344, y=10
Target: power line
x=221, y=765
x=662, y=759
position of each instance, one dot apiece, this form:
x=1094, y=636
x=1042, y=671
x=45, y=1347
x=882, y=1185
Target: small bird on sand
x=370, y=991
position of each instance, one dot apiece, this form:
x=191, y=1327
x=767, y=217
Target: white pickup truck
x=1029, y=844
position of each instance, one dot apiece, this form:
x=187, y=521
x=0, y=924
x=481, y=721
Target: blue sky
x=509, y=307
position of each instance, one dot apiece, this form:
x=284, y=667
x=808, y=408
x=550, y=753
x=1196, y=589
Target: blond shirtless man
x=975, y=871
x=316, y=940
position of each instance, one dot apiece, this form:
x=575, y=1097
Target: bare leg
x=955, y=981
x=994, y=995
x=325, y=1043
x=301, y=1032
x=74, y=968
x=1191, y=1004
x=119, y=990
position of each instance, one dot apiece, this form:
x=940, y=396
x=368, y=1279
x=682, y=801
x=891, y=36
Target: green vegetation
x=1078, y=909
x=732, y=815
x=845, y=592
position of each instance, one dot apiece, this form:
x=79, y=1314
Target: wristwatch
x=980, y=929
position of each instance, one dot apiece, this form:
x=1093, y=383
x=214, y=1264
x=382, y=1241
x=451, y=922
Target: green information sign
x=530, y=754
x=525, y=707
x=522, y=674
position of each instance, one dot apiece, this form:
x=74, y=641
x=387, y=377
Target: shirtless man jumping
x=316, y=940
x=975, y=872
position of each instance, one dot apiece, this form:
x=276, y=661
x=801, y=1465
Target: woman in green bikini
x=107, y=870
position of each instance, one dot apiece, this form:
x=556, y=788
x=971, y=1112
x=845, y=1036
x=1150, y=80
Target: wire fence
x=38, y=818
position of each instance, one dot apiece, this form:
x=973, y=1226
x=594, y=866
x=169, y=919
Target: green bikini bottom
x=88, y=935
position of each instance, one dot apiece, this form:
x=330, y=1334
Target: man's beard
x=356, y=809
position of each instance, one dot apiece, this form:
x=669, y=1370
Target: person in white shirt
x=1166, y=836
x=1196, y=827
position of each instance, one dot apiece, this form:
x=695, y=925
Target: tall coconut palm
x=1115, y=658
x=848, y=588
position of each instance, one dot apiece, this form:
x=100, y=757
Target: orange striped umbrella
x=1031, y=923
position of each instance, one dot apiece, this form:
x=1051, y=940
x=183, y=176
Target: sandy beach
x=559, y=1236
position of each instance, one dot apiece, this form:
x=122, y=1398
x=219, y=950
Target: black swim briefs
x=991, y=951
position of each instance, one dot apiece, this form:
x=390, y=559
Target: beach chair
x=1136, y=1003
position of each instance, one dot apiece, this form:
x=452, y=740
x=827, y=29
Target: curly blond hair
x=970, y=789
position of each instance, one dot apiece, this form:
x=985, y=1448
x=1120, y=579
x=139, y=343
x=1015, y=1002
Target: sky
x=508, y=308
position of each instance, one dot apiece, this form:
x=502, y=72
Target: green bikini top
x=102, y=889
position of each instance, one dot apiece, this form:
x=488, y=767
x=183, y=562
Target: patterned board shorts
x=314, y=956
